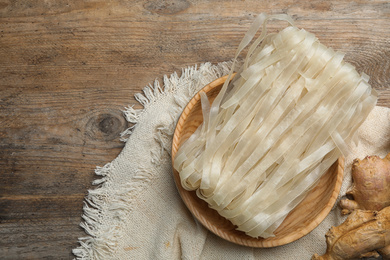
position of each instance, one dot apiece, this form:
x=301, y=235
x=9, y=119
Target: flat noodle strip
x=289, y=113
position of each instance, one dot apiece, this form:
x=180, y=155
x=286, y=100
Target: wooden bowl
x=303, y=219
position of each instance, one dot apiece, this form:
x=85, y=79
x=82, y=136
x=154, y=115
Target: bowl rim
x=250, y=241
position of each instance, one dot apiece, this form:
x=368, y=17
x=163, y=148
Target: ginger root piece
x=371, y=183
x=385, y=252
x=363, y=232
x=366, y=232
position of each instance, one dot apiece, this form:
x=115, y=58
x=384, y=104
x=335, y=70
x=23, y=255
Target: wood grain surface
x=69, y=67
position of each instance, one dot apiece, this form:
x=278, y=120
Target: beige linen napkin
x=136, y=211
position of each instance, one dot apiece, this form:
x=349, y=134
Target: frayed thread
x=101, y=247
x=132, y=116
x=192, y=78
x=103, y=240
x=93, y=213
x=150, y=93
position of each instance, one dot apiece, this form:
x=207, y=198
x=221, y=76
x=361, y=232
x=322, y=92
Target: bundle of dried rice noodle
x=272, y=132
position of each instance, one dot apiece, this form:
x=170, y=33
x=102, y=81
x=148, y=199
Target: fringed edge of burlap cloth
x=99, y=244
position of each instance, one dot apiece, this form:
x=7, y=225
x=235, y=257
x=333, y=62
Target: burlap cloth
x=135, y=212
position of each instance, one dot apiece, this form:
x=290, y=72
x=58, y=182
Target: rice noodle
x=275, y=129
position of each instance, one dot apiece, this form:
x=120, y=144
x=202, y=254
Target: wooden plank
x=69, y=68
x=40, y=238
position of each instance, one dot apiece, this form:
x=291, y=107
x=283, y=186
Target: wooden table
x=68, y=69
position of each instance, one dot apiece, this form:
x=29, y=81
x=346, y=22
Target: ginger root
x=366, y=231
x=371, y=182
x=363, y=232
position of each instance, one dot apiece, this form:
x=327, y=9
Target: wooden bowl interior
x=303, y=219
